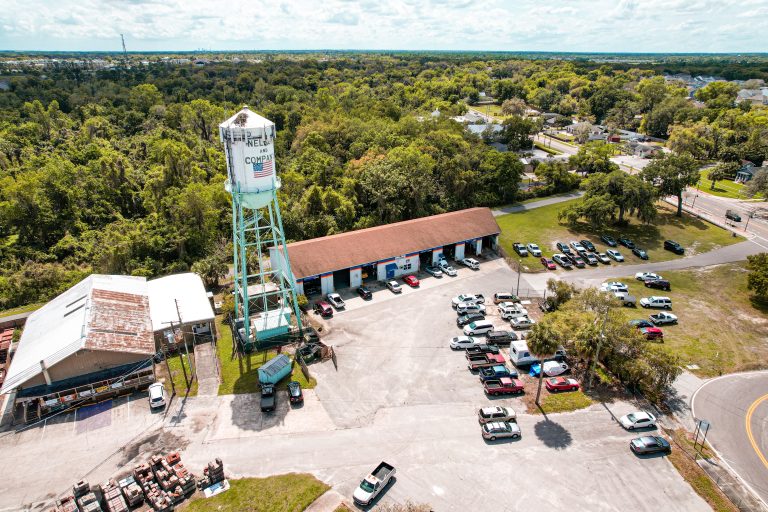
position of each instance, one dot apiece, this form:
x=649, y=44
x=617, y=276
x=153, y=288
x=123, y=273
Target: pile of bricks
x=172, y=476
x=86, y=500
x=212, y=474
x=154, y=494
x=113, y=497
x=66, y=504
x=131, y=491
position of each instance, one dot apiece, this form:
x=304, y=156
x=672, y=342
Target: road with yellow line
x=736, y=406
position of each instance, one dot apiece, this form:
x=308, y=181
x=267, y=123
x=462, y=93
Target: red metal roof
x=120, y=322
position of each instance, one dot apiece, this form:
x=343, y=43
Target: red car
x=411, y=281
x=323, y=309
x=652, y=333
x=555, y=384
x=548, y=263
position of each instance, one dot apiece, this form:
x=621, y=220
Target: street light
x=694, y=200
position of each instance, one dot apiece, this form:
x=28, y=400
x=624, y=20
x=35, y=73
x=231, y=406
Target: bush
x=302, y=301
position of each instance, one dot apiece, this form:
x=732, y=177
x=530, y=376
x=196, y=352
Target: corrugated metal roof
x=337, y=252
x=275, y=365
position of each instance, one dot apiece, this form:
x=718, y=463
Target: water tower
x=265, y=299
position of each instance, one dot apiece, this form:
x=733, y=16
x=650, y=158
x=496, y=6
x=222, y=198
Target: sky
x=508, y=25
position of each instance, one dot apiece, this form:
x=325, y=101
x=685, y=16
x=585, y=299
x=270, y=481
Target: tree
x=557, y=176
x=144, y=96
x=757, y=280
x=513, y=107
x=560, y=292
x=671, y=174
x=543, y=340
x=722, y=171
x=718, y=94
x=517, y=132
x=593, y=157
x=758, y=184
x=597, y=210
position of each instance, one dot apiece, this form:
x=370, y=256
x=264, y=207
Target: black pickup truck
x=268, y=398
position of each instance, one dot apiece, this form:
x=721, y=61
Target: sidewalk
x=205, y=366
x=537, y=204
x=328, y=502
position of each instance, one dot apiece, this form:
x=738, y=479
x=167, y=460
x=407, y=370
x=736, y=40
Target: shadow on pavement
x=552, y=434
x=247, y=415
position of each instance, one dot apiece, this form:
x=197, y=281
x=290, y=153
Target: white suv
x=656, y=302
x=470, y=307
x=471, y=263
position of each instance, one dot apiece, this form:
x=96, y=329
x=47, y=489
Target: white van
x=520, y=355
x=477, y=328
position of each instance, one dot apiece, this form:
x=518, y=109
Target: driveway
x=736, y=406
x=537, y=204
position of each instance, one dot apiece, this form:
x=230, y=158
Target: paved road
x=537, y=204
x=737, y=408
x=630, y=164
x=713, y=208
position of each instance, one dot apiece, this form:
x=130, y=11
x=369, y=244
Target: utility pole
x=125, y=52
x=168, y=368
x=517, y=290
x=186, y=348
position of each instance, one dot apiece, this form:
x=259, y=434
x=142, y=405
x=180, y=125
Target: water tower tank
x=250, y=151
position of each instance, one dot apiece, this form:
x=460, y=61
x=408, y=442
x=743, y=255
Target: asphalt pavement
x=736, y=407
x=713, y=208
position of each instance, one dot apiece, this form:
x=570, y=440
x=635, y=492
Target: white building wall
x=300, y=287
x=460, y=251
x=326, y=283
x=478, y=246
x=381, y=271
x=355, y=277
x=436, y=253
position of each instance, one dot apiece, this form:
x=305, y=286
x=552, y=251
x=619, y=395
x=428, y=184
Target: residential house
x=753, y=96
x=748, y=171
x=646, y=150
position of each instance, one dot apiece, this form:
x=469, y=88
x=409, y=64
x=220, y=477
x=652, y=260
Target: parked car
x=650, y=444
x=295, y=395
x=591, y=258
x=335, y=300
x=563, y=248
x=503, y=386
x=562, y=260
x=673, y=246
x=609, y=240
x=522, y=322
x=638, y=419
x=505, y=297
x=433, y=271
x=578, y=247
x=577, y=261
x=603, y=258
x=663, y=319
x=490, y=414
x=551, y=369
x=555, y=384
x=477, y=361
x=471, y=263
x=470, y=307
x=588, y=245
x=659, y=284
x=478, y=327
x=496, y=372
x=652, y=333
x=483, y=348
x=548, y=263
x=512, y=307
x=520, y=249
x=394, y=287
x=501, y=337
x=462, y=342
x=463, y=320
x=647, y=276
x=614, y=255
x=547, y=305
x=614, y=286
x=157, y=395
x=373, y=484
x=656, y=302
x=640, y=322
x=627, y=300
x=447, y=269
x=534, y=250
x=411, y=281
x=365, y=293
x=626, y=242
x=732, y=215
x=475, y=298
x=500, y=429
x=268, y=400
x=640, y=253
x=323, y=309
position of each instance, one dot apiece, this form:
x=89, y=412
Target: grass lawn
x=22, y=309
x=723, y=188
x=491, y=110
x=719, y=328
x=547, y=149
x=240, y=375
x=562, y=402
x=177, y=373
x=695, y=476
x=283, y=493
x=542, y=227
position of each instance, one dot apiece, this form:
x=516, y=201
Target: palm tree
x=543, y=341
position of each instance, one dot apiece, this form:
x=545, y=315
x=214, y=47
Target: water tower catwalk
x=265, y=299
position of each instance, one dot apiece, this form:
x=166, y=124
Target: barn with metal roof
x=387, y=251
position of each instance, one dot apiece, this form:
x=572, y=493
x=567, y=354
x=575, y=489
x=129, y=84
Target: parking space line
x=74, y=422
x=42, y=433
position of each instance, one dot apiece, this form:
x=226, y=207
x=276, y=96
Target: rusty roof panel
x=120, y=322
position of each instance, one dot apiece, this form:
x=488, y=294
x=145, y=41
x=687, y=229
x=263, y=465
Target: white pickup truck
x=373, y=484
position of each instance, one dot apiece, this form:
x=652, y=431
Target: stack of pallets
x=131, y=491
x=212, y=474
x=113, y=498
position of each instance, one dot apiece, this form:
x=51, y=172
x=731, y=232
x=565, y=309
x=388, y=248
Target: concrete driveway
x=736, y=406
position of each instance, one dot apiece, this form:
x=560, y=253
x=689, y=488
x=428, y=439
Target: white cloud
x=578, y=25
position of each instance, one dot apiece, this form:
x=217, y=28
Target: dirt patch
x=151, y=444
